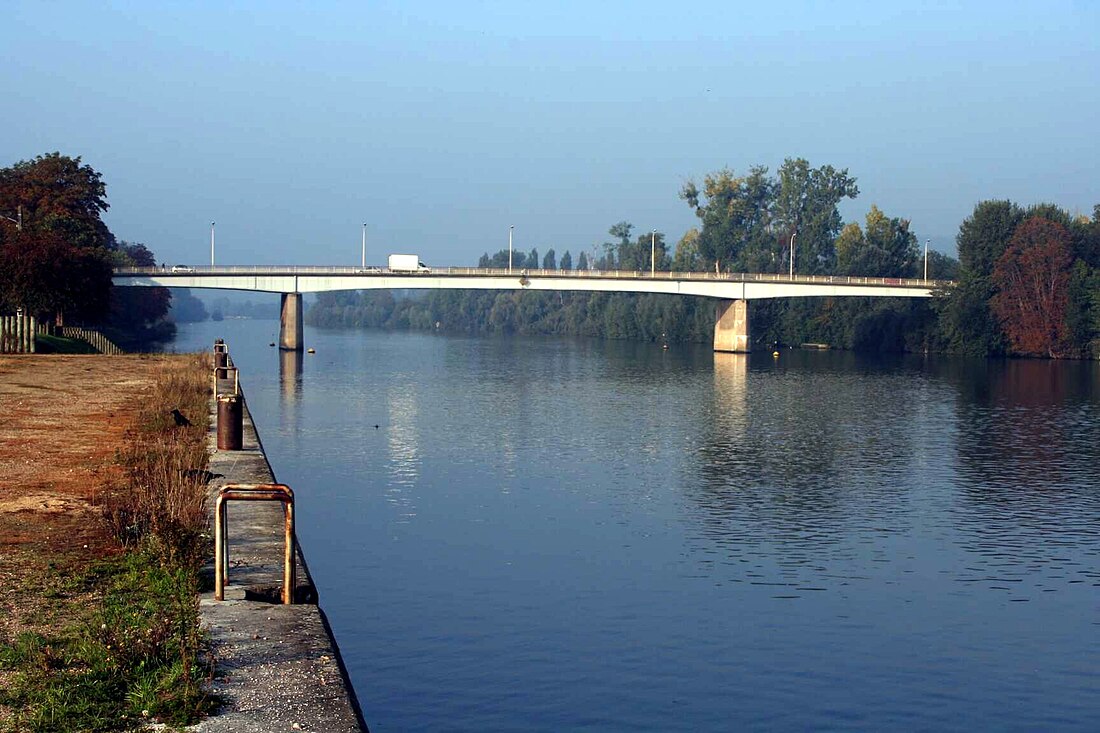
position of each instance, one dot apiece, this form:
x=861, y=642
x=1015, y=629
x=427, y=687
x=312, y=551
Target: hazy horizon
x=440, y=125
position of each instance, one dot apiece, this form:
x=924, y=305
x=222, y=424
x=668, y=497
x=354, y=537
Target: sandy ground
x=62, y=419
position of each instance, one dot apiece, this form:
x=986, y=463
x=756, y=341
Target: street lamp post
x=793, y=235
x=211, y=244
x=653, y=253
x=510, y=248
x=926, y=259
x=363, y=264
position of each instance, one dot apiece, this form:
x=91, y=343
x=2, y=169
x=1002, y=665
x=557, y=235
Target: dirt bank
x=62, y=419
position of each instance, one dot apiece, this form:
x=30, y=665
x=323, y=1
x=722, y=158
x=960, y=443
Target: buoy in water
x=310, y=351
x=272, y=343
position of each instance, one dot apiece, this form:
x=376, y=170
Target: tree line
x=1027, y=279
x=57, y=254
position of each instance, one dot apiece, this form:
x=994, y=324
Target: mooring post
x=290, y=322
x=731, y=326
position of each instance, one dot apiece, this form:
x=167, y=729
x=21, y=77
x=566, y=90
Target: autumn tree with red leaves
x=1032, y=279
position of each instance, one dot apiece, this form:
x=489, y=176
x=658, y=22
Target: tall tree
x=566, y=261
x=687, y=257
x=139, y=316
x=1032, y=277
x=967, y=324
x=983, y=236
x=885, y=248
x=735, y=212
x=44, y=274
x=58, y=194
x=550, y=260
x=806, y=203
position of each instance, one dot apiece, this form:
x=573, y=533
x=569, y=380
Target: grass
x=45, y=344
x=131, y=659
x=129, y=649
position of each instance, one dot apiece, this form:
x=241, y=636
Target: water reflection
x=1026, y=454
x=290, y=374
x=826, y=540
x=403, y=447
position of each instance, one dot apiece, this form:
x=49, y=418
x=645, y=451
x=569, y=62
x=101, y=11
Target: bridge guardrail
x=504, y=272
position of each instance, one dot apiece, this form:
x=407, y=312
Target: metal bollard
x=230, y=422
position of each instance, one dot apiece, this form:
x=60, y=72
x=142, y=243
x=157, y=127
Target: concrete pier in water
x=290, y=322
x=731, y=326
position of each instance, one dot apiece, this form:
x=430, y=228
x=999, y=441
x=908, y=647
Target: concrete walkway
x=278, y=667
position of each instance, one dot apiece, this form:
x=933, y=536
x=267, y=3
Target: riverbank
x=82, y=609
x=101, y=527
x=279, y=667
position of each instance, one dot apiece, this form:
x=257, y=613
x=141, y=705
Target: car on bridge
x=182, y=268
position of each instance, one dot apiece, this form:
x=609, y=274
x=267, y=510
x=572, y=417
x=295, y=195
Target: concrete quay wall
x=277, y=667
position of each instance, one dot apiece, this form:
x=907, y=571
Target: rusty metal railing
x=253, y=492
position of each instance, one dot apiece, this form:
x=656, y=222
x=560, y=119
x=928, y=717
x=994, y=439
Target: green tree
x=567, y=261
x=735, y=212
x=646, y=247
x=806, y=201
x=138, y=317
x=687, y=257
x=582, y=262
x=983, y=236
x=550, y=261
x=967, y=325
x=885, y=248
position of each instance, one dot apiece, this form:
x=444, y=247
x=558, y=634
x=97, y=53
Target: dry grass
x=162, y=494
x=95, y=639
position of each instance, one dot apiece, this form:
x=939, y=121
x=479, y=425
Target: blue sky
x=441, y=124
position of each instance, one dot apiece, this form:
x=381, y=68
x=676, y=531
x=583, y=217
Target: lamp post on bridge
x=363, y=263
x=510, y=248
x=793, y=235
x=653, y=253
x=211, y=244
x=926, y=259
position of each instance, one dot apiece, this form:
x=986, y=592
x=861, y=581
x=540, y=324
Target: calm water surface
x=540, y=534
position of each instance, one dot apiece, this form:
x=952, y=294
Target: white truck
x=407, y=263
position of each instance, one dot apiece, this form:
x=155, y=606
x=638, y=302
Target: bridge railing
x=262, y=270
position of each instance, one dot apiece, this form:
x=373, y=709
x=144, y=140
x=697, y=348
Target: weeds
x=134, y=655
x=130, y=661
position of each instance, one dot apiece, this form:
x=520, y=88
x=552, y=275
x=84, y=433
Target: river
x=555, y=534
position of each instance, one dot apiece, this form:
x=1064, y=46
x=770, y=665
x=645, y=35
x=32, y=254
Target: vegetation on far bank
x=1028, y=279
x=56, y=255
x=124, y=642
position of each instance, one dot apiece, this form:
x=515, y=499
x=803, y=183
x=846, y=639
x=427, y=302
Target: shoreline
x=277, y=667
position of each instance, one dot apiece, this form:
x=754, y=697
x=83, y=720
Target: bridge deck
x=734, y=286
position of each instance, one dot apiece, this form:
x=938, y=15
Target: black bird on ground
x=180, y=418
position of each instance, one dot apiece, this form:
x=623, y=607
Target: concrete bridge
x=731, y=291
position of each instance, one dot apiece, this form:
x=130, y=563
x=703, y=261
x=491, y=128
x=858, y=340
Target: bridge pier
x=731, y=326
x=290, y=322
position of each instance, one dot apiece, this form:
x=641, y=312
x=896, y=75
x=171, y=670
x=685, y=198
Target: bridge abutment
x=731, y=326
x=290, y=322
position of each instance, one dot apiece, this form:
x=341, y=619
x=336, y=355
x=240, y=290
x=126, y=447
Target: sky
x=441, y=124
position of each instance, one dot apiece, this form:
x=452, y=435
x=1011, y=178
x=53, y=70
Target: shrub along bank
x=124, y=643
